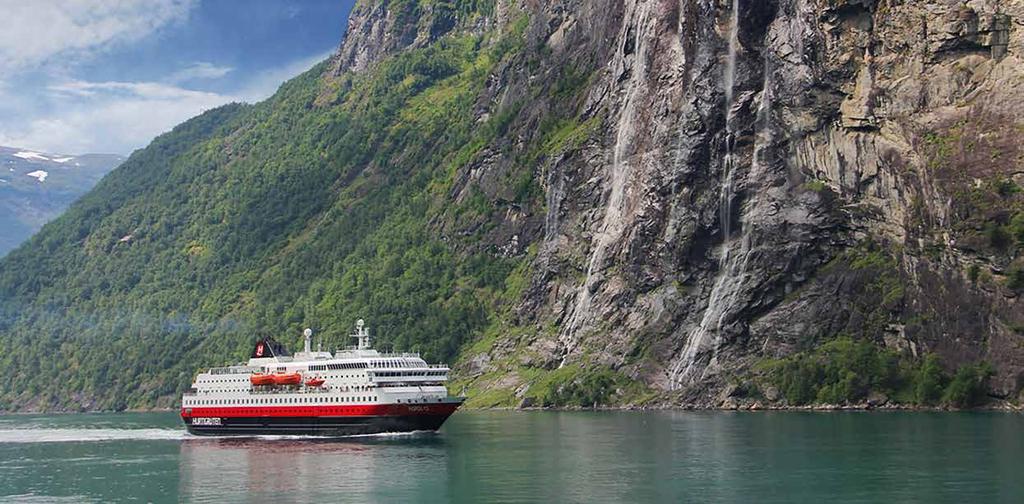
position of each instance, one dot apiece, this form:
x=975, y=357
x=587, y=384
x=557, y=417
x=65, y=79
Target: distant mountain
x=35, y=187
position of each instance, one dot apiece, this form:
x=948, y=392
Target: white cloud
x=37, y=31
x=109, y=116
x=200, y=70
x=45, y=105
x=147, y=90
x=118, y=117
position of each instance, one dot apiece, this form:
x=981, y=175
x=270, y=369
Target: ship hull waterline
x=333, y=422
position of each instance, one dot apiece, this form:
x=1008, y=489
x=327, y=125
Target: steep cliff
x=764, y=177
x=698, y=202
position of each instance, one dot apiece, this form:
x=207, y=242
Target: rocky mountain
x=708, y=203
x=36, y=187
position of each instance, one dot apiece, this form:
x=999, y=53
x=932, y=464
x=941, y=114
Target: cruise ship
x=353, y=391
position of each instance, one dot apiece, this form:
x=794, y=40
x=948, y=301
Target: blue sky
x=80, y=76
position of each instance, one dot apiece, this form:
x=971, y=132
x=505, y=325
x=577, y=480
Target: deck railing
x=234, y=370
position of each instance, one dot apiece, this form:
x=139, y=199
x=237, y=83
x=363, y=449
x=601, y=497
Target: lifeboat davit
x=287, y=379
x=314, y=382
x=261, y=379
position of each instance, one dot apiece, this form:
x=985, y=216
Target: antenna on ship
x=308, y=333
x=362, y=334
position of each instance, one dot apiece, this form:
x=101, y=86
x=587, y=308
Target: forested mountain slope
x=707, y=203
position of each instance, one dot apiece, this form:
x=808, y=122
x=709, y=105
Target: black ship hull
x=328, y=421
x=318, y=426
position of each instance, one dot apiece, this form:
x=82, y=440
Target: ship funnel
x=308, y=333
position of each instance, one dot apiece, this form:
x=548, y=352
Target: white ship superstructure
x=357, y=390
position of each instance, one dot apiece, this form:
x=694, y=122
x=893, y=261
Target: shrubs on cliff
x=848, y=371
x=967, y=388
x=843, y=370
x=929, y=381
x=1015, y=279
x=573, y=386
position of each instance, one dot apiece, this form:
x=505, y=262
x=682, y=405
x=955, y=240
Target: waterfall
x=554, y=197
x=613, y=224
x=732, y=264
x=726, y=191
x=730, y=62
x=732, y=276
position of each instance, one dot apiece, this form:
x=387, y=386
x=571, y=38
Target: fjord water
x=529, y=457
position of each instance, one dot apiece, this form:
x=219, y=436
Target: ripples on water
x=528, y=457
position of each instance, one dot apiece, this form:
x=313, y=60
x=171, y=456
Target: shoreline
x=755, y=407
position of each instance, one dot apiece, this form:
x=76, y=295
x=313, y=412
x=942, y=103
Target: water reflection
x=480, y=457
x=304, y=470
x=627, y=457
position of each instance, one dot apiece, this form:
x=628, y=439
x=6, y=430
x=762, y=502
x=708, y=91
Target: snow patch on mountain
x=39, y=174
x=29, y=155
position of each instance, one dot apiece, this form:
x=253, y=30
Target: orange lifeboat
x=314, y=382
x=261, y=379
x=287, y=379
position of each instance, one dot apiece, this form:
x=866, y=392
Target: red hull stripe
x=317, y=411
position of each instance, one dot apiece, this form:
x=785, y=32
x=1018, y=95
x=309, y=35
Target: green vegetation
x=968, y=386
x=841, y=370
x=570, y=386
x=313, y=208
x=972, y=159
x=573, y=386
x=973, y=272
x=846, y=371
x=928, y=381
x=876, y=286
x=1017, y=228
x=1015, y=278
x=815, y=185
x=849, y=367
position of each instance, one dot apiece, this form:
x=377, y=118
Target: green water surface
x=529, y=457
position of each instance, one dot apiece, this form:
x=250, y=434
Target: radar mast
x=362, y=334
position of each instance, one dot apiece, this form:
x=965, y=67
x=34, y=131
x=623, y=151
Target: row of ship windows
x=342, y=389
x=387, y=364
x=392, y=364
x=347, y=365
x=316, y=368
x=410, y=384
x=409, y=373
x=311, y=368
x=332, y=366
x=277, y=400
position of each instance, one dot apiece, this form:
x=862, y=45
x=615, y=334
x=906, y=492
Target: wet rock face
x=829, y=100
x=745, y=148
x=699, y=222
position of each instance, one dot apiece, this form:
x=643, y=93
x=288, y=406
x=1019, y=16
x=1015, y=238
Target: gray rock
x=705, y=224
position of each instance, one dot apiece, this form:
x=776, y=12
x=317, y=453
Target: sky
x=106, y=76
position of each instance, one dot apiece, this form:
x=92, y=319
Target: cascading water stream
x=613, y=223
x=555, y=195
x=730, y=265
x=726, y=193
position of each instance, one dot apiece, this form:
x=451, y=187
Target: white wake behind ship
x=357, y=390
